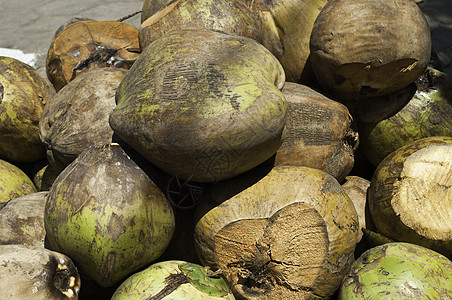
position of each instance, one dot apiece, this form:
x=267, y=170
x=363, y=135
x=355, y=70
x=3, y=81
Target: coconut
x=202, y=105
x=409, y=195
x=287, y=26
x=14, y=182
x=398, y=271
x=174, y=280
x=83, y=45
x=418, y=111
x=22, y=220
x=77, y=117
x=37, y=273
x=285, y=233
x=231, y=16
x=318, y=133
x=107, y=215
x=23, y=94
x=369, y=48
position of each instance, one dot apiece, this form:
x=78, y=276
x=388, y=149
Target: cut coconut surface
x=423, y=197
x=290, y=233
x=409, y=195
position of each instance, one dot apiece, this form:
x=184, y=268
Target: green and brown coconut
x=107, y=215
x=410, y=194
x=23, y=94
x=416, y=112
x=231, y=16
x=14, y=182
x=202, y=104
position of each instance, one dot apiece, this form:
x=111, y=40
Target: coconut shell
x=369, y=48
x=398, y=271
x=14, y=182
x=84, y=45
x=417, y=112
x=289, y=233
x=22, y=220
x=409, y=197
x=318, y=133
x=231, y=16
x=23, y=94
x=107, y=215
x=37, y=273
x=202, y=105
x=77, y=117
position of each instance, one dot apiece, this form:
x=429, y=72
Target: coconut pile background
x=28, y=26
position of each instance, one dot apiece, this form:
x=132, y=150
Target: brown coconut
x=369, y=48
x=84, y=45
x=318, y=132
x=78, y=115
x=286, y=234
x=231, y=16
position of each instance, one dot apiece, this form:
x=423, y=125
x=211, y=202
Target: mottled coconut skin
x=202, y=105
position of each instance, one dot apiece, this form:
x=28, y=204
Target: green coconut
x=202, y=105
x=23, y=94
x=107, y=215
x=37, y=273
x=14, y=182
x=398, y=271
x=174, y=280
x=416, y=112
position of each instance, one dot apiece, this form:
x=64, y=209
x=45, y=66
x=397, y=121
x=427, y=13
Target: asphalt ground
x=29, y=25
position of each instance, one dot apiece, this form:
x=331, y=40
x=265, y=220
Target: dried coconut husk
x=421, y=110
x=202, y=105
x=82, y=45
x=288, y=233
